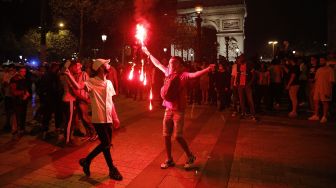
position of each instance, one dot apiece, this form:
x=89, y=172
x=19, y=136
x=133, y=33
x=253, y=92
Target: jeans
x=104, y=131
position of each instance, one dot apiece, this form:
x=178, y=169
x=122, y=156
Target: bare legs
x=182, y=143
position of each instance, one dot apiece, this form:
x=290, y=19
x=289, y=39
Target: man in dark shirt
x=20, y=90
x=293, y=85
x=223, y=79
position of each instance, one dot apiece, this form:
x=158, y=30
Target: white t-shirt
x=101, y=92
x=324, y=79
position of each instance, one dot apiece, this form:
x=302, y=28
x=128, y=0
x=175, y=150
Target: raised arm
x=72, y=80
x=201, y=72
x=154, y=60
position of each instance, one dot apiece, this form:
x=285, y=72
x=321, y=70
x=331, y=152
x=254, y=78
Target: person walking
x=104, y=114
x=173, y=120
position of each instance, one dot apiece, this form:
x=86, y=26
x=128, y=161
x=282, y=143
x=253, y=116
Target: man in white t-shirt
x=324, y=79
x=104, y=114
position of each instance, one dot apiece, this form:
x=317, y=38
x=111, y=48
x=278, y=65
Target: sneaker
x=323, y=120
x=253, y=118
x=93, y=138
x=168, y=163
x=314, y=118
x=242, y=116
x=115, y=174
x=86, y=166
x=86, y=138
x=190, y=162
x=292, y=114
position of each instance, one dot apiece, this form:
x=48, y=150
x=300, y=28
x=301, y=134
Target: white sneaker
x=314, y=118
x=323, y=120
x=189, y=162
x=292, y=114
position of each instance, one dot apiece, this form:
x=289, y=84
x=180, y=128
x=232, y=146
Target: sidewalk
x=274, y=152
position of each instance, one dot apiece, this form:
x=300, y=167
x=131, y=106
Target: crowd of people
x=246, y=86
x=72, y=93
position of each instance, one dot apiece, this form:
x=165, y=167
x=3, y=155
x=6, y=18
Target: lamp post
x=103, y=37
x=273, y=43
x=237, y=52
x=227, y=39
x=198, y=19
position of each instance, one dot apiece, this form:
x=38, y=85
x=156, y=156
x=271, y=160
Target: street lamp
x=237, y=52
x=273, y=43
x=103, y=37
x=198, y=20
x=61, y=25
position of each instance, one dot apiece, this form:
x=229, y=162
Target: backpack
x=170, y=88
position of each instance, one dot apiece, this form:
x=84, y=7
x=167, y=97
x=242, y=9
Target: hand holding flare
x=141, y=36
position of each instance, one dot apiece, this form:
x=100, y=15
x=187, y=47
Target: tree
x=79, y=12
x=59, y=44
x=9, y=45
x=30, y=43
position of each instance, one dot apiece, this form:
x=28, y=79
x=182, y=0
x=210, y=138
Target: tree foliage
x=9, y=45
x=31, y=43
x=79, y=14
x=59, y=44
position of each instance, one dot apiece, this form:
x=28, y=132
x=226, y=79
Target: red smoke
x=143, y=11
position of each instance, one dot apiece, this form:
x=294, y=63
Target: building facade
x=227, y=18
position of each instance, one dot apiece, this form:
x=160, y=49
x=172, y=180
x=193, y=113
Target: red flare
x=142, y=71
x=130, y=76
x=140, y=33
x=150, y=105
x=150, y=94
x=145, y=80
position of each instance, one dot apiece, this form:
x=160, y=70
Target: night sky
x=294, y=20
x=302, y=23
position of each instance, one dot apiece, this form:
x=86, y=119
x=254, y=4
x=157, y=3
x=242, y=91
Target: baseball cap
x=99, y=62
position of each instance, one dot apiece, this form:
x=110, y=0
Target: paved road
x=274, y=152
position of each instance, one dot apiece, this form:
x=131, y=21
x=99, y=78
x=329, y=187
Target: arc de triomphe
x=227, y=19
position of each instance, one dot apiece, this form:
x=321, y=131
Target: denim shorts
x=173, y=122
